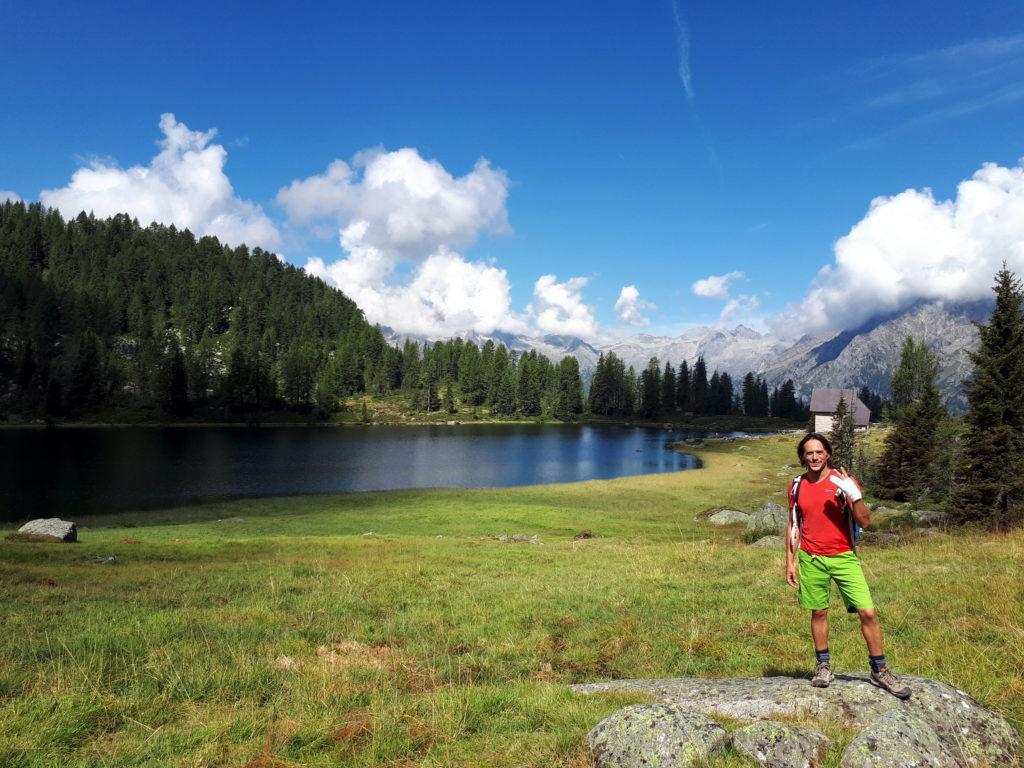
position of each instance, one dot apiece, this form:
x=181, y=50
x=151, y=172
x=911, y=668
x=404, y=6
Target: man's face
x=815, y=455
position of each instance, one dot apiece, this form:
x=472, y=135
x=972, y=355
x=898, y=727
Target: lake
x=70, y=472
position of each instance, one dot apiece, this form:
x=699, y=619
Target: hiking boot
x=822, y=675
x=887, y=679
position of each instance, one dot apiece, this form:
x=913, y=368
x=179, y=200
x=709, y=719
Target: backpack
x=796, y=516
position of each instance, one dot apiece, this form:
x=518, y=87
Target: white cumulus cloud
x=6, y=194
x=446, y=295
x=716, y=286
x=394, y=207
x=630, y=307
x=184, y=185
x=559, y=307
x=408, y=206
x=911, y=246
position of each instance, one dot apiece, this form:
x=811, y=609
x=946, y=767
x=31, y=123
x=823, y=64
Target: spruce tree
x=683, y=388
x=650, y=390
x=699, y=395
x=906, y=468
x=842, y=435
x=988, y=486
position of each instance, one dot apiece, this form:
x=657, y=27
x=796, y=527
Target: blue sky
x=635, y=145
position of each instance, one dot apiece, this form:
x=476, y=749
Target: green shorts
x=815, y=572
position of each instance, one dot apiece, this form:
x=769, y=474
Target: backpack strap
x=795, y=516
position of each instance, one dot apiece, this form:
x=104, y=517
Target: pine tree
x=842, y=435
x=683, y=387
x=569, y=394
x=751, y=389
x=449, y=398
x=650, y=390
x=699, y=395
x=988, y=486
x=667, y=401
x=906, y=468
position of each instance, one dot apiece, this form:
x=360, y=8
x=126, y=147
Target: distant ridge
x=864, y=356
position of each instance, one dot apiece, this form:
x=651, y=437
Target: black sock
x=877, y=662
x=821, y=655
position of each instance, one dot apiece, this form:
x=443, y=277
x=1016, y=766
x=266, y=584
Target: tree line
x=104, y=314
x=616, y=390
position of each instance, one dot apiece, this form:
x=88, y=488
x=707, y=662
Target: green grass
x=275, y=632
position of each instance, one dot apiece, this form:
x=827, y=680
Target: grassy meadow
x=395, y=629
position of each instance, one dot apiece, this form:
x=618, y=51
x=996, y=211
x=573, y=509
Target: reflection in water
x=82, y=470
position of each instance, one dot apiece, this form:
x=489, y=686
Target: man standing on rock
x=824, y=505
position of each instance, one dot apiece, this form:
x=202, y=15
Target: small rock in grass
x=770, y=541
x=535, y=539
x=369, y=534
x=101, y=560
x=728, y=517
x=780, y=745
x=49, y=529
x=646, y=735
x=584, y=535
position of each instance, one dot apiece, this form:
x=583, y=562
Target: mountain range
x=863, y=356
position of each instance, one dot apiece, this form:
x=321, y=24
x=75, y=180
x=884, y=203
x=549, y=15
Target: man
x=820, y=550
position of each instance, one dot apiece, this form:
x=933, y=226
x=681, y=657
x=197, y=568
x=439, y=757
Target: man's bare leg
x=871, y=629
x=819, y=629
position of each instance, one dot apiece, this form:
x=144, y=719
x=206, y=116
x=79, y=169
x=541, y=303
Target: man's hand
x=791, y=574
x=845, y=483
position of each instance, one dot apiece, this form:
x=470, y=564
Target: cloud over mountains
x=911, y=246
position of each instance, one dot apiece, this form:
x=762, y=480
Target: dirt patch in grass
x=351, y=653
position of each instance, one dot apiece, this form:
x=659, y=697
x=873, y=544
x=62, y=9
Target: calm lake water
x=67, y=472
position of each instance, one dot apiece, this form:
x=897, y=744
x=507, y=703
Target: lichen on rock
x=780, y=745
x=648, y=735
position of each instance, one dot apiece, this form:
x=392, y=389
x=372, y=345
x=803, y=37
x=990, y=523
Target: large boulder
x=769, y=517
x=973, y=735
x=728, y=517
x=780, y=745
x=645, y=735
x=48, y=529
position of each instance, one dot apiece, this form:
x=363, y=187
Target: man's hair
x=820, y=438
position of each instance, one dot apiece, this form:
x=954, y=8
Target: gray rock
x=770, y=541
x=769, y=517
x=898, y=739
x=780, y=745
x=49, y=529
x=975, y=735
x=728, y=517
x=645, y=735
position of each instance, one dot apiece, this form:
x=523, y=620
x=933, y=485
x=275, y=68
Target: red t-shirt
x=825, y=530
